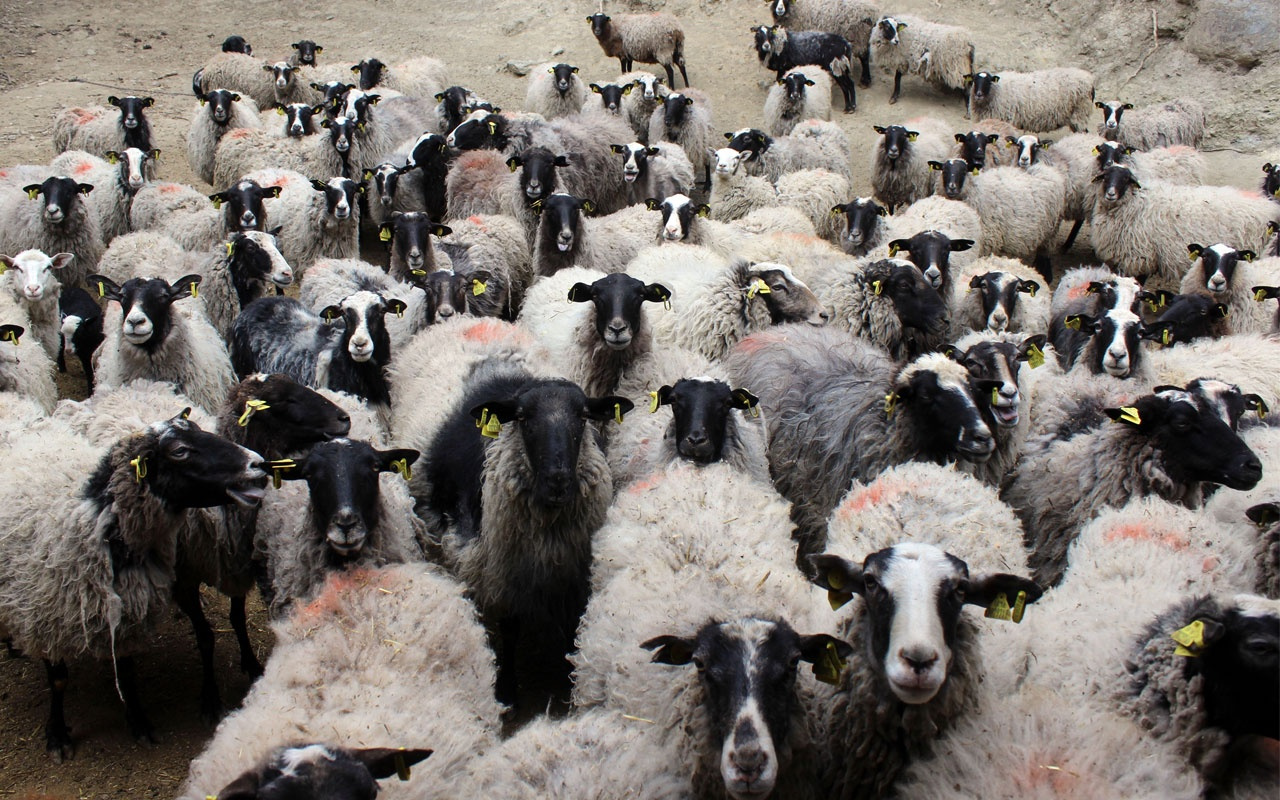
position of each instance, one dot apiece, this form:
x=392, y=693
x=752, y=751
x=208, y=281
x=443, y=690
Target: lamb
x=524, y=506
x=419, y=77
x=890, y=304
x=1159, y=445
x=117, y=177
x=555, y=90
x=97, y=129
x=684, y=119
x=1141, y=229
x=900, y=171
x=918, y=531
x=931, y=230
x=249, y=267
x=832, y=401
x=220, y=111
x=64, y=593
x=25, y=370
x=812, y=144
x=380, y=640
x=61, y=223
x=315, y=219
x=802, y=93
x=1176, y=122
x=409, y=238
x=147, y=337
x=781, y=51
x=998, y=294
x=852, y=20
x=864, y=228
x=906, y=45
x=654, y=171
x=80, y=332
x=1039, y=101
x=647, y=38
x=1231, y=276
x=33, y=284
x=639, y=104
x=196, y=222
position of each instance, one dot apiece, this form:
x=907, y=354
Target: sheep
x=429, y=159
x=1141, y=229
x=832, y=401
x=900, y=171
x=117, y=177
x=147, y=337
x=453, y=105
x=1251, y=517
x=1264, y=293
x=718, y=303
x=684, y=119
x=853, y=20
x=638, y=105
x=1188, y=317
x=484, y=182
x=96, y=129
x=380, y=133
x=647, y=38
x=220, y=111
x=1039, y=101
x=811, y=192
x=393, y=187
x=802, y=93
x=409, y=240
x=812, y=144
x=997, y=294
x=60, y=223
x=864, y=226
x=241, y=73
x=610, y=242
x=1231, y=275
x=332, y=280
x=494, y=244
x=278, y=334
x=814, y=192
x=94, y=578
x=197, y=222
x=1241, y=358
x=316, y=219
x=1075, y=156
x=419, y=77
x=244, y=150
x=33, y=284
x=322, y=769
x=780, y=50
x=250, y=266
x=734, y=193
x=300, y=119
x=906, y=45
x=379, y=640
x=555, y=90
x=916, y=545
x=654, y=171
x=973, y=145
x=708, y=591
x=304, y=53
x=611, y=98
x=1175, y=122
x=1177, y=164
x=80, y=332
x=560, y=225
x=25, y=370
x=931, y=230
x=889, y=303
x=523, y=505
x=1159, y=445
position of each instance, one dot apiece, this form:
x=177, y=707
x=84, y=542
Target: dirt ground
x=74, y=52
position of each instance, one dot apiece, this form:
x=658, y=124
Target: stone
x=1242, y=31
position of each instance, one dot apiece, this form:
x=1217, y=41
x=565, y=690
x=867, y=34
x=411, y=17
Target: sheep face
x=794, y=85
x=939, y=396
x=678, y=212
x=1115, y=180
x=618, y=301
x=762, y=44
x=365, y=333
x=298, y=119
x=896, y=140
x=1112, y=111
x=747, y=670
x=728, y=160
x=132, y=166
x=321, y=771
x=1000, y=293
x=454, y=104
x=1224, y=400
x=788, y=298
x=1117, y=350
x=954, y=172
x=751, y=141
x=386, y=178
x=552, y=416
x=1271, y=180
x=131, y=116
x=651, y=86
x=245, y=210
x=994, y=366
x=1109, y=153
x=254, y=259
x=342, y=477
x=429, y=149
x=146, y=306
x=560, y=219
x=295, y=415
x=33, y=272
x=563, y=77
x=236, y=44
x=370, y=72
x=600, y=25
x=635, y=159
x=484, y=130
x=917, y=303
x=675, y=110
x=537, y=167
x=611, y=95
x=912, y=595
x=186, y=467
x=700, y=411
x=341, y=132
x=1029, y=148
x=1218, y=264
x=281, y=74
x=983, y=84
x=862, y=216
x=931, y=252
x=973, y=147
x=410, y=237
x=307, y=51
x=1186, y=318
x=1193, y=444
x=780, y=9
x=335, y=95
x=217, y=104
x=61, y=197
x=887, y=30
x=358, y=105
x=339, y=197
x=447, y=291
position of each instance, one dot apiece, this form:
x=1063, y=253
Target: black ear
x=982, y=589
x=504, y=410
x=106, y=287
x=331, y=313
x=977, y=281
x=661, y=397
x=954, y=353
x=184, y=286
x=244, y=787
x=272, y=191
x=657, y=293
x=84, y=188
x=1036, y=341
x=390, y=460
x=616, y=148
x=318, y=185
x=1029, y=287
x=959, y=138
x=113, y=100
x=671, y=650
x=561, y=161
x=383, y=762
x=1264, y=514
x=961, y=244
x=837, y=575
x=11, y=333
x=1194, y=250
x=582, y=293
x=608, y=407
x=742, y=399
x=878, y=128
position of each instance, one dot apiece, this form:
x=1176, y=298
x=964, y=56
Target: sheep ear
x=657, y=293
x=674, y=651
x=113, y=100
x=1001, y=594
x=652, y=204
x=879, y=129
x=1264, y=514
x=1221, y=310
x=331, y=313
x=318, y=185
x=1032, y=349
x=1129, y=415
x=502, y=410
x=561, y=161
x=827, y=654
x=652, y=152
x=995, y=78
x=881, y=211
x=111, y=157
x=935, y=166
x=958, y=245
x=728, y=137
x=397, y=460
x=617, y=148
x=581, y=293
x=383, y=762
x=968, y=79
x=59, y=261
x=276, y=230
x=441, y=230
x=267, y=68
x=384, y=232
x=743, y=400
x=1248, y=255
x=84, y=188
x=702, y=210
x=184, y=287
x=841, y=577
x=106, y=287
x=1194, y=250
x=1045, y=144
x=659, y=398
x=396, y=307
x=154, y=155
x=959, y=138
x=954, y=353
x=608, y=407
x=977, y=281
x=626, y=90
x=1127, y=106
x=899, y=244
x=11, y=333
x=1029, y=287
x=243, y=788
x=1253, y=402
x=1099, y=104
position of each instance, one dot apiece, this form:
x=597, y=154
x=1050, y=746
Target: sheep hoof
x=250, y=665
x=59, y=746
x=850, y=109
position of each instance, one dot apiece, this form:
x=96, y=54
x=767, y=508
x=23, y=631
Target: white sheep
x=379, y=640
x=25, y=369
x=1252, y=517
x=802, y=93
x=199, y=222
x=53, y=216
x=1039, y=101
x=734, y=192
x=35, y=286
x=244, y=150
x=907, y=45
x=900, y=171
x=316, y=218
x=654, y=171
x=998, y=294
x=1243, y=359
x=555, y=90
x=219, y=111
x=1175, y=122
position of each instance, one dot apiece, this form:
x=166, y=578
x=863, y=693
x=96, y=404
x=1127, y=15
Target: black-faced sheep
x=1180, y=121
x=1232, y=276
x=197, y=222
x=98, y=129
x=220, y=111
x=900, y=171
x=52, y=216
x=1039, y=101
x=80, y=332
x=781, y=51
x=409, y=240
x=802, y=93
x=889, y=303
x=851, y=19
x=116, y=178
x=684, y=119
x=811, y=144
x=555, y=90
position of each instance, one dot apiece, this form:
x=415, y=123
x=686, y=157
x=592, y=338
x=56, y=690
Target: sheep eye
x=180, y=453
x=870, y=584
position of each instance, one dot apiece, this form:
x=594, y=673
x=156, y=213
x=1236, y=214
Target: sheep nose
x=445, y=311
x=617, y=327
x=919, y=659
x=1118, y=353
x=748, y=761
x=892, y=152
x=345, y=519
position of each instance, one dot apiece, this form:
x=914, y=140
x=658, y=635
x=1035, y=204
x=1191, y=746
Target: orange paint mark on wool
x=1144, y=533
x=478, y=221
x=238, y=133
x=340, y=584
x=81, y=168
x=486, y=332
x=868, y=497
x=282, y=180
x=645, y=484
x=170, y=188
x=83, y=115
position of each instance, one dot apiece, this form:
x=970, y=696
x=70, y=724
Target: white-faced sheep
x=98, y=129
x=684, y=118
x=197, y=222
x=1039, y=101
x=379, y=640
x=95, y=577
x=647, y=38
x=25, y=370
x=1143, y=229
x=811, y=144
x=998, y=294
x=889, y=303
x=841, y=410
x=906, y=45
x=220, y=111
x=851, y=19
x=36, y=287
x=734, y=192
x=555, y=90
x=312, y=218
x=1231, y=276
x=53, y=216
x=334, y=279
x=900, y=171
x=802, y=93
x=911, y=549
x=637, y=106
x=1180, y=121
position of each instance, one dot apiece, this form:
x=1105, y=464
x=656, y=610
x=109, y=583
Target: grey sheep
x=998, y=294
x=244, y=150
x=1232, y=277
x=219, y=111
x=53, y=216
x=888, y=303
x=905, y=45
x=198, y=222
x=241, y=73
x=654, y=171
x=313, y=219
x=116, y=177
x=334, y=279
x=802, y=93
x=812, y=144
x=98, y=129
x=647, y=38
x=1039, y=101
x=900, y=171
x=420, y=77
x=685, y=118
x=247, y=267
x=555, y=90
x=1179, y=121
x=1020, y=210
x=25, y=369
x=647, y=93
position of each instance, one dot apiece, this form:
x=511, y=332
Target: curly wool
x=110, y=199
x=480, y=182
x=696, y=134
x=782, y=114
x=246, y=150
x=735, y=194
x=180, y=213
x=1244, y=314
x=1180, y=121
x=95, y=129
x=238, y=72
x=378, y=641
x=496, y=243
x=934, y=213
x=542, y=96
x=908, y=178
x=1039, y=101
x=23, y=227
x=1247, y=360
x=26, y=369
x=1019, y=209
x=204, y=133
x=813, y=192
x=1227, y=511
x=811, y=144
x=308, y=231
x=856, y=308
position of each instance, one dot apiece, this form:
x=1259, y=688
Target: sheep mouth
x=342, y=214
x=630, y=175
x=131, y=123
x=1117, y=370
x=533, y=192
x=976, y=450
x=1006, y=416
x=360, y=354
x=564, y=246
x=220, y=117
x=282, y=280
x=346, y=551
x=55, y=217
x=137, y=338
x=741, y=789
x=915, y=693
x=248, y=495
x=617, y=342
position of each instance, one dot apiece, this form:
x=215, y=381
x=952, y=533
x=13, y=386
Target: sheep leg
x=86, y=363
x=864, y=58
x=506, y=686
x=683, y=73
x=1071, y=237
x=57, y=735
x=897, y=88
x=849, y=91
x=1044, y=266
x=187, y=596
x=249, y=663
x=139, y=725
x=671, y=76
x=62, y=358
x=10, y=650
x=706, y=176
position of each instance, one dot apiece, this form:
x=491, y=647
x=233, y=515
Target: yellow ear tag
x=1019, y=606
x=2, y=268
x=1035, y=357
x=419, y=272
x=1074, y=322
x=484, y=417
x=755, y=411
x=1190, y=640
x=829, y=665
x=402, y=768
x=278, y=467
x=653, y=402
x=893, y=250
x=758, y=286
x=1260, y=295
x=890, y=403
x=139, y=465
x=838, y=599
x=1130, y=414
x=1164, y=337
x=11, y=336
x=995, y=395
x=617, y=413
x=250, y=408
x=999, y=608
x=230, y=249
x=385, y=234
x=492, y=427
x=402, y=466
x=1152, y=305
x=217, y=203
x=478, y=287
x=102, y=290
x=33, y=193
x=194, y=291
x=877, y=286
x=1032, y=291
